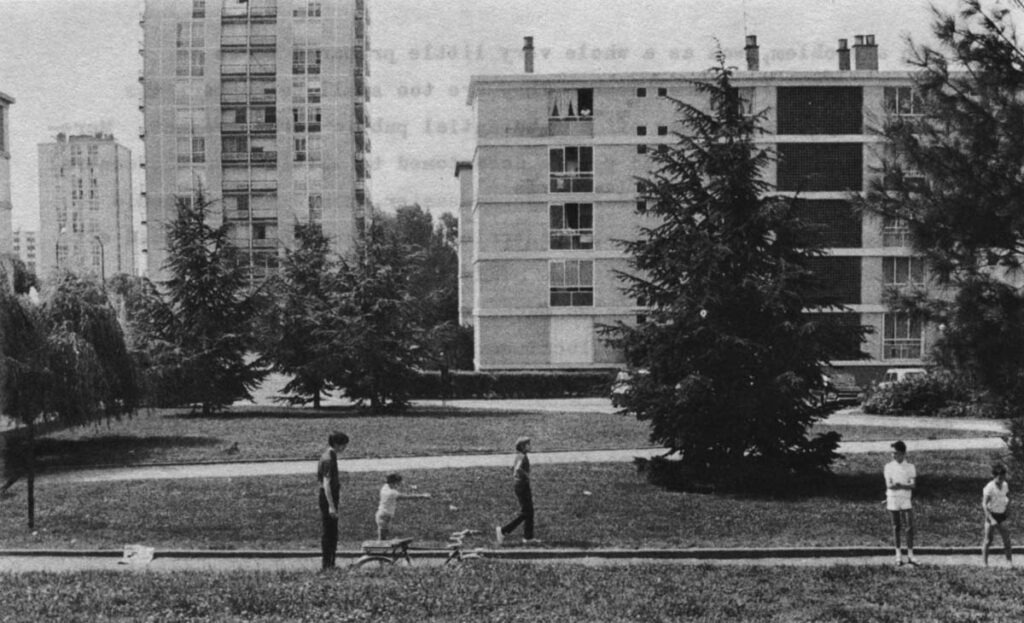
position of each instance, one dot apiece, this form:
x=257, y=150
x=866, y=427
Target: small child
x=389, y=495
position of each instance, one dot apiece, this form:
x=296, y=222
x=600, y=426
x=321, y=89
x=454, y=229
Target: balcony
x=248, y=69
x=571, y=126
x=244, y=12
x=251, y=42
x=249, y=98
x=249, y=186
x=248, y=128
x=256, y=157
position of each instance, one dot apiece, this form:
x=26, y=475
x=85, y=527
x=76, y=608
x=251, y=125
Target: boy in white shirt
x=900, y=479
x=389, y=495
x=995, y=502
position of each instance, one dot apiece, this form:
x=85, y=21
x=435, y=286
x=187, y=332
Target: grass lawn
x=620, y=510
x=492, y=591
x=173, y=436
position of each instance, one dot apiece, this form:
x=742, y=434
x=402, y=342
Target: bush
x=932, y=394
x=464, y=384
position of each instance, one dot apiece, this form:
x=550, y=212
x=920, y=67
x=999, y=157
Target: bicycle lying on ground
x=385, y=552
x=456, y=547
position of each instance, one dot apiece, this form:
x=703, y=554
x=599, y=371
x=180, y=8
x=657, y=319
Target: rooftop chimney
x=865, y=52
x=844, y=56
x=528, y=54
x=753, y=57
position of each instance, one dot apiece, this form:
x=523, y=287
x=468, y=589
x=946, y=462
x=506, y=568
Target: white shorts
x=898, y=504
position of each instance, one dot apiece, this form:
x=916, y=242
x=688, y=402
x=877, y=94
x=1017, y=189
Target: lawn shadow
x=257, y=412
x=57, y=454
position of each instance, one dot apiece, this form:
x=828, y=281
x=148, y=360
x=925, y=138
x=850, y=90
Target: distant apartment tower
x=26, y=249
x=552, y=186
x=85, y=206
x=5, y=174
x=262, y=105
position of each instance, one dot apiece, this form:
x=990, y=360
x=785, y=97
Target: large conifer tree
x=727, y=364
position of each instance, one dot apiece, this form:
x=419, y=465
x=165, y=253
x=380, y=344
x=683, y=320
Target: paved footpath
x=271, y=561
x=462, y=461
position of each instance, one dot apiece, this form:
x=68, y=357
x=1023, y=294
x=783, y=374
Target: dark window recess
x=641, y=92
x=641, y=130
x=834, y=222
x=820, y=110
x=844, y=327
x=810, y=167
x=641, y=149
x=662, y=92
x=837, y=281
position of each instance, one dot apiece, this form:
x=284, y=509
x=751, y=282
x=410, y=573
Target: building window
x=307, y=149
x=641, y=92
x=641, y=130
x=641, y=149
x=837, y=281
x=198, y=8
x=92, y=155
x=97, y=255
x=820, y=110
x=834, y=221
x=316, y=208
x=662, y=92
x=76, y=155
x=190, y=35
x=810, y=167
x=312, y=9
x=571, y=104
x=306, y=61
x=903, y=271
x=902, y=337
x=747, y=100
x=572, y=226
x=191, y=149
x=3, y=135
x=572, y=283
x=572, y=169
x=190, y=62
x=306, y=119
x=895, y=232
x=662, y=130
x=902, y=101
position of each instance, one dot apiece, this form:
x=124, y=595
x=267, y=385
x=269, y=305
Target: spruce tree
x=954, y=174
x=727, y=365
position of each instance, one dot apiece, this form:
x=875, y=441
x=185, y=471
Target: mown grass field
x=590, y=505
x=174, y=436
x=492, y=591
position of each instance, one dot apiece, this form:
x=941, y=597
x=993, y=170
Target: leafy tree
x=727, y=362
x=379, y=337
x=201, y=321
x=302, y=321
x=966, y=219
x=64, y=363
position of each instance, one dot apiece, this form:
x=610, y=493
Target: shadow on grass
x=341, y=413
x=56, y=454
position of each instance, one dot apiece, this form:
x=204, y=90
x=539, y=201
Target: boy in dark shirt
x=329, y=487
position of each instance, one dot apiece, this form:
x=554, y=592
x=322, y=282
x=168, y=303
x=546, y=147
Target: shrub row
x=930, y=394
x=555, y=384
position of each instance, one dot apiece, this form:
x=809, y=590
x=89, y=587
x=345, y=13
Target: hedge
x=554, y=384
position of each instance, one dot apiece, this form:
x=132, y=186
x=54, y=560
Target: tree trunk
x=31, y=465
x=316, y=398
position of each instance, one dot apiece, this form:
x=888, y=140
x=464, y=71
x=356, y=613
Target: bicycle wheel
x=380, y=560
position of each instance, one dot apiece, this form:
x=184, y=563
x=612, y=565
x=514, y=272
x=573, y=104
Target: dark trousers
x=525, y=516
x=329, y=535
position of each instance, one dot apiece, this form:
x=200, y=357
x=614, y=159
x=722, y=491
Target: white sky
x=73, y=66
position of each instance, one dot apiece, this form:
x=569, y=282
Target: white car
x=898, y=375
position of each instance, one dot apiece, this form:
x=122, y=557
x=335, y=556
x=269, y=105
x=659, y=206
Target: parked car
x=842, y=389
x=898, y=375
x=623, y=380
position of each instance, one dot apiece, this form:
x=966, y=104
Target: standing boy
x=900, y=479
x=995, y=502
x=389, y=495
x=329, y=487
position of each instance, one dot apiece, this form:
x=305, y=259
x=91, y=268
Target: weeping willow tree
x=63, y=362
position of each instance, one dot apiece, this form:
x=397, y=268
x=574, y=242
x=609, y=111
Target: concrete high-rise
x=552, y=188
x=262, y=105
x=5, y=174
x=85, y=206
x=26, y=249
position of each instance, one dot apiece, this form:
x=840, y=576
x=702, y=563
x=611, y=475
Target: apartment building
x=85, y=206
x=26, y=249
x=262, y=105
x=5, y=173
x=552, y=186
